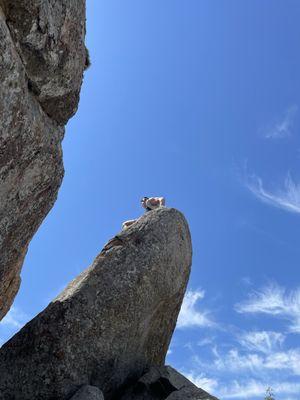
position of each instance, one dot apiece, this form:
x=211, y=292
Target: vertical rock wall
x=42, y=59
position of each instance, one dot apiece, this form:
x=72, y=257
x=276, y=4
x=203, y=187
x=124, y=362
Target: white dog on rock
x=148, y=203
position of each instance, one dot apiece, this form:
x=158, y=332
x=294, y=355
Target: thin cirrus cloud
x=201, y=380
x=257, y=389
x=12, y=323
x=249, y=368
x=253, y=374
x=190, y=315
x=262, y=341
x=276, y=301
x=287, y=198
x=243, y=389
x=14, y=319
x=287, y=362
x=282, y=127
x=245, y=365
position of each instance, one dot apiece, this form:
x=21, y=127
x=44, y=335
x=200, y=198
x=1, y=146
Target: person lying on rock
x=148, y=203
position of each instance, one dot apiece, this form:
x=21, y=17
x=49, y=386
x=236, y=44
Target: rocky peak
x=112, y=323
x=107, y=334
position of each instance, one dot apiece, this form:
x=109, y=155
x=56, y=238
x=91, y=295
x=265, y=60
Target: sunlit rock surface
x=42, y=59
x=111, y=323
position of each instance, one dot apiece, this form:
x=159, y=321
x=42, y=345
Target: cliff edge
x=42, y=59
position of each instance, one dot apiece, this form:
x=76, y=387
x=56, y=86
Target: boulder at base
x=164, y=383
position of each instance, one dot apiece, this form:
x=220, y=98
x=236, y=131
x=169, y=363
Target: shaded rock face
x=111, y=323
x=164, y=383
x=88, y=392
x=49, y=36
x=42, y=58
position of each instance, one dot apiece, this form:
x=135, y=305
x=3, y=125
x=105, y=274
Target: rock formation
x=42, y=59
x=111, y=323
x=106, y=335
x=88, y=392
x=164, y=383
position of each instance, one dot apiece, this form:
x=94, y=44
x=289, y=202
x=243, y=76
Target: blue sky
x=197, y=101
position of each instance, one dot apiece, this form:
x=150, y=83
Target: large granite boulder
x=42, y=58
x=164, y=383
x=111, y=323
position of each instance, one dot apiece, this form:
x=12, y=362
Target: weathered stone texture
x=111, y=323
x=88, y=392
x=49, y=35
x=39, y=88
x=164, y=383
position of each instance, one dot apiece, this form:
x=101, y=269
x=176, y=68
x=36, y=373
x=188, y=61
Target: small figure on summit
x=148, y=203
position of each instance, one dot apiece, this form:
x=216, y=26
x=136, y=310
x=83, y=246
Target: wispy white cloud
x=246, y=281
x=262, y=341
x=252, y=389
x=290, y=398
x=207, y=341
x=15, y=318
x=246, y=364
x=190, y=316
x=233, y=361
x=255, y=372
x=283, y=361
x=286, y=198
x=202, y=381
x=276, y=301
x=283, y=126
x=288, y=360
x=244, y=390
